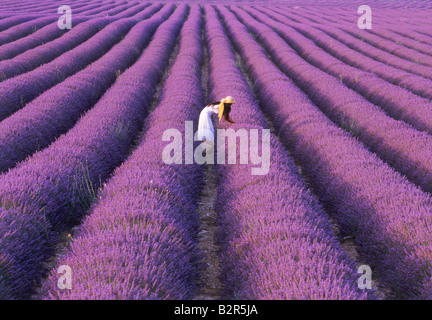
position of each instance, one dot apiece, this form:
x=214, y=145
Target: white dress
x=205, y=125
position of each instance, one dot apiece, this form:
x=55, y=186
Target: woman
x=205, y=125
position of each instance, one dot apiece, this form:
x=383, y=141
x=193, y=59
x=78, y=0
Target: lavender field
x=89, y=209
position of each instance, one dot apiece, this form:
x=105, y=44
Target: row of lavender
x=65, y=65
x=17, y=26
x=146, y=196
x=389, y=217
x=56, y=110
x=363, y=47
x=232, y=263
x=408, y=43
x=406, y=49
x=415, y=83
x=93, y=9
x=368, y=79
x=51, y=191
x=37, y=38
x=36, y=6
x=405, y=148
x=335, y=291
x=45, y=53
x=139, y=241
x=388, y=26
x=48, y=34
x=399, y=21
x=26, y=7
x=33, y=57
x=19, y=90
x=276, y=251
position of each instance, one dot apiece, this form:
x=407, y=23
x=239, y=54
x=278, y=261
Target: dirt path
x=211, y=287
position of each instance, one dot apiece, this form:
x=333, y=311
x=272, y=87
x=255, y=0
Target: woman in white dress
x=205, y=125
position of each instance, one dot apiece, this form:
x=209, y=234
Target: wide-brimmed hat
x=228, y=99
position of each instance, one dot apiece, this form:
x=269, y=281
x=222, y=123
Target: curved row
x=99, y=10
x=38, y=38
x=17, y=91
x=44, y=8
x=403, y=147
x=35, y=57
x=56, y=110
x=390, y=46
x=133, y=11
x=389, y=19
x=269, y=244
x=119, y=8
x=143, y=230
x=81, y=10
x=398, y=102
x=417, y=84
x=389, y=217
x=368, y=49
x=25, y=28
x=412, y=82
x=407, y=38
x=9, y=22
x=52, y=190
x=44, y=54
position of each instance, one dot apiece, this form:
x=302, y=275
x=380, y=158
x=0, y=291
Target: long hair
x=226, y=112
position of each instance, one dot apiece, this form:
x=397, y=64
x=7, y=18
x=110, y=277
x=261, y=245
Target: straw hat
x=228, y=99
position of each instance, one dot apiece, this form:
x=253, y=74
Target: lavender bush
x=269, y=243
x=146, y=219
x=53, y=189
x=57, y=113
x=370, y=201
x=82, y=113
x=405, y=148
